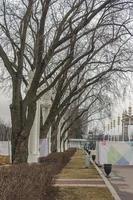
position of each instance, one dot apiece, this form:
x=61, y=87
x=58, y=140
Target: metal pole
x=9, y=147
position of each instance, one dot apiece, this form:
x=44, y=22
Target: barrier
x=117, y=153
x=5, y=148
x=44, y=147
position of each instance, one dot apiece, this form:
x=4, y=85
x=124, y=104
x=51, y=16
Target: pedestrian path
x=122, y=181
x=77, y=182
x=80, y=182
x=76, y=169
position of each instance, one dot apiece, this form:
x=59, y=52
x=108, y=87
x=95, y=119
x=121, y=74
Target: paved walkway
x=70, y=177
x=122, y=180
x=76, y=182
x=80, y=182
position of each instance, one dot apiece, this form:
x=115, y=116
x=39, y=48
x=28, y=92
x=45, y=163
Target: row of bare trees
x=70, y=46
x=5, y=131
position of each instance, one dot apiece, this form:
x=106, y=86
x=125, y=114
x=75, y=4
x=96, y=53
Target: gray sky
x=4, y=107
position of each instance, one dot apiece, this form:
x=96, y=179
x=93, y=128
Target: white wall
x=5, y=148
x=44, y=147
x=117, y=153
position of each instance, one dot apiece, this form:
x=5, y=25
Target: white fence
x=5, y=148
x=77, y=143
x=117, y=153
x=44, y=147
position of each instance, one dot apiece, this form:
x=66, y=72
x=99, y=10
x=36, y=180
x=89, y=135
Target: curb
x=79, y=179
x=5, y=165
x=107, y=183
x=80, y=185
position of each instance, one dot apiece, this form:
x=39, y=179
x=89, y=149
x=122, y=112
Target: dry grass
x=78, y=173
x=76, y=162
x=4, y=160
x=78, y=193
x=25, y=182
x=32, y=181
x=75, y=169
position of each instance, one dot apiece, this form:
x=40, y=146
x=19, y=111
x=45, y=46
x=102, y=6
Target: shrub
x=56, y=161
x=32, y=181
x=25, y=182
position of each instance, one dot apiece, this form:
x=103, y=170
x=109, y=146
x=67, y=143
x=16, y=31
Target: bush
x=32, y=181
x=56, y=161
x=25, y=182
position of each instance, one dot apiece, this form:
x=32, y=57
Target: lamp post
x=118, y=120
x=130, y=116
x=114, y=127
x=123, y=120
x=111, y=130
x=108, y=131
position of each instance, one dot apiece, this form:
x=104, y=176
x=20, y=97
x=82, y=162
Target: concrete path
x=77, y=166
x=75, y=181
x=107, y=183
x=80, y=182
x=122, y=180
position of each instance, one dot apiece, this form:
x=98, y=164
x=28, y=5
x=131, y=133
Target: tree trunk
x=63, y=145
x=20, y=150
x=54, y=131
x=21, y=125
x=53, y=144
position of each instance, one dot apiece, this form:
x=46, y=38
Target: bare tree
x=90, y=106
x=5, y=131
x=58, y=40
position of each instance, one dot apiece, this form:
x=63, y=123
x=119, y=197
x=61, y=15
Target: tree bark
x=19, y=141
x=53, y=143
x=54, y=132
x=63, y=145
x=22, y=117
x=20, y=152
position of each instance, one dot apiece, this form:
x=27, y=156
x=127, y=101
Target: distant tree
x=5, y=131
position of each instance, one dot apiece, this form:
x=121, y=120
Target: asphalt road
x=122, y=180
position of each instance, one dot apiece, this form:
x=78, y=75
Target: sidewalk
x=76, y=182
x=122, y=181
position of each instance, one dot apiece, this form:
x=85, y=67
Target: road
x=122, y=180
